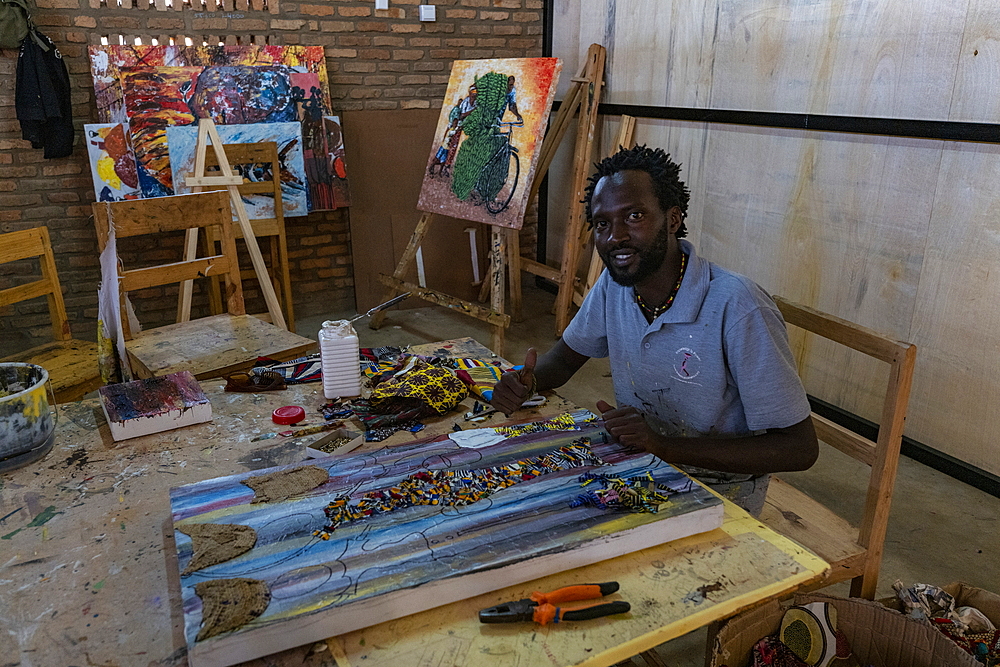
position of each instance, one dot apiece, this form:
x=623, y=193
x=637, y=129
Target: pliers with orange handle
x=541, y=607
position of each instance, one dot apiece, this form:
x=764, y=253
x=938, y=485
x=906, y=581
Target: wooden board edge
x=243, y=646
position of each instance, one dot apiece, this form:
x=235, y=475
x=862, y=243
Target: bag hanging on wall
x=15, y=22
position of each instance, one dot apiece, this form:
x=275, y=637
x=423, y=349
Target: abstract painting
x=229, y=84
x=155, y=99
x=182, y=142
x=112, y=162
x=155, y=404
x=488, y=139
x=349, y=541
x=338, y=160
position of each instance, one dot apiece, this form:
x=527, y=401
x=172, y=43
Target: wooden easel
x=505, y=259
x=586, y=97
x=583, y=95
x=228, y=180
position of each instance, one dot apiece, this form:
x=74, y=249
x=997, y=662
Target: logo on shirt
x=687, y=365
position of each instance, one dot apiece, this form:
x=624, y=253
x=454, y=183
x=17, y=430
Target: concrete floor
x=940, y=530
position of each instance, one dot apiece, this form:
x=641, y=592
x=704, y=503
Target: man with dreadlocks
x=703, y=375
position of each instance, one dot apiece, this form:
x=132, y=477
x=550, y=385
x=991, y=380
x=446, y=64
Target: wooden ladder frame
x=226, y=180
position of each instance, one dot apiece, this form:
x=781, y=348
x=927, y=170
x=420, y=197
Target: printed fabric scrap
x=479, y=375
x=382, y=363
x=434, y=389
x=297, y=371
x=808, y=638
x=966, y=626
x=379, y=361
x=407, y=394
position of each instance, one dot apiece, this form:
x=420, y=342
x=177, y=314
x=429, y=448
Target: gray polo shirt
x=716, y=363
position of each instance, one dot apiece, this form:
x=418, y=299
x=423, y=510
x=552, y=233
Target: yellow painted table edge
x=736, y=521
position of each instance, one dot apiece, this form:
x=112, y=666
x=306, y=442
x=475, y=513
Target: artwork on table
x=488, y=139
x=153, y=405
x=232, y=85
x=354, y=540
x=112, y=161
x=182, y=141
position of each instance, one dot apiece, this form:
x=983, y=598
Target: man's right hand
x=514, y=387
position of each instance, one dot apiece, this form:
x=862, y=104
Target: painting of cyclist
x=488, y=138
x=495, y=93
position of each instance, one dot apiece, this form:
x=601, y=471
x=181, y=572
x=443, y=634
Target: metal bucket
x=27, y=419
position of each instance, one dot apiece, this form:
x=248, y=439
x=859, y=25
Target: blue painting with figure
x=341, y=543
x=182, y=141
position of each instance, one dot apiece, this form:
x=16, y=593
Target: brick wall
x=385, y=59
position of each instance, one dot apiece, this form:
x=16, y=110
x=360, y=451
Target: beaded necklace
x=653, y=313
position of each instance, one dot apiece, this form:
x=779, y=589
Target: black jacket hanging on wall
x=42, y=96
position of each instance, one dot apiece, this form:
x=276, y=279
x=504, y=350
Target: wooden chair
x=266, y=155
x=71, y=363
x=854, y=553
x=209, y=346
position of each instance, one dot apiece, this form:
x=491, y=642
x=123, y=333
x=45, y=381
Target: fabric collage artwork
x=454, y=487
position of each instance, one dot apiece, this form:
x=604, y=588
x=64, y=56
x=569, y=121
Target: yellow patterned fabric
x=481, y=376
x=438, y=387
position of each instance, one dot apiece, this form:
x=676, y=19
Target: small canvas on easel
x=273, y=559
x=488, y=139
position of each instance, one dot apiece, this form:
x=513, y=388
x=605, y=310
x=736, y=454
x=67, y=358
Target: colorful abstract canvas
x=112, y=162
x=155, y=99
x=345, y=542
x=338, y=160
x=182, y=141
x=488, y=139
x=229, y=84
x=153, y=405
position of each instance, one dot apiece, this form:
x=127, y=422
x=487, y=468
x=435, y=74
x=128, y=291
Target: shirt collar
x=691, y=295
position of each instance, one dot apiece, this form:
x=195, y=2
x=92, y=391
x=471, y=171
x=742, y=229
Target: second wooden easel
x=583, y=96
x=228, y=180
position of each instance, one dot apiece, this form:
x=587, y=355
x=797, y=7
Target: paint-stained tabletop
x=88, y=575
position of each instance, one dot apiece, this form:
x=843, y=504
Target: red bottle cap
x=288, y=414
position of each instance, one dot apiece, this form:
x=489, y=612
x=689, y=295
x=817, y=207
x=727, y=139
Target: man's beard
x=650, y=260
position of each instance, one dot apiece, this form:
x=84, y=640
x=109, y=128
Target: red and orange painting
x=154, y=87
x=488, y=138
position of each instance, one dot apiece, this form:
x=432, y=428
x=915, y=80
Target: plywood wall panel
x=978, y=66
x=957, y=320
x=900, y=235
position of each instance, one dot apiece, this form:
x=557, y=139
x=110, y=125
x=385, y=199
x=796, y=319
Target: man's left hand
x=627, y=426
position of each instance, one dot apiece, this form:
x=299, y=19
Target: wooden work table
x=88, y=574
